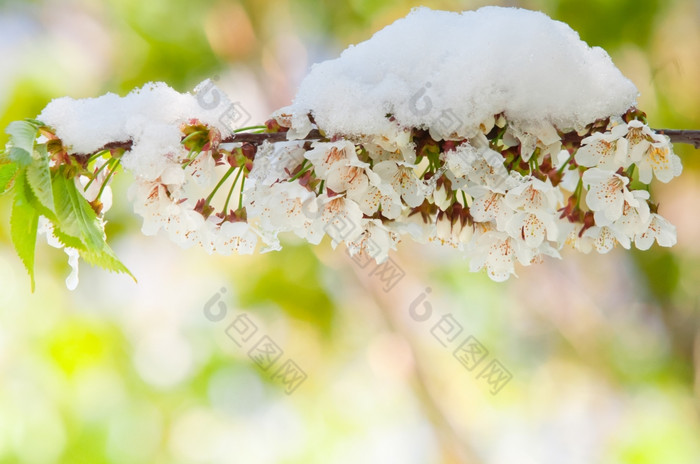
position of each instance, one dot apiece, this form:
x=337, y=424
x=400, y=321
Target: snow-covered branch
x=689, y=137
x=380, y=145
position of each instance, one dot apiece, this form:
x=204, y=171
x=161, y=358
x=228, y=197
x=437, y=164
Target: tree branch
x=244, y=137
x=272, y=137
x=691, y=137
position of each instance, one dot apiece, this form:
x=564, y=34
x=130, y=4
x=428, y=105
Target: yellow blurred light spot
x=75, y=346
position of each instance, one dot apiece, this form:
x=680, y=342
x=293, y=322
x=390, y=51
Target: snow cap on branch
x=155, y=110
x=463, y=68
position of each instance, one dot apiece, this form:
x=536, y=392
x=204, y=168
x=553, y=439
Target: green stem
x=109, y=176
x=97, y=173
x=230, y=192
x=193, y=135
x=320, y=188
x=243, y=129
x=96, y=155
x=534, y=164
x=240, y=194
x=190, y=158
x=304, y=169
x=564, y=166
x=218, y=186
x=577, y=192
x=426, y=170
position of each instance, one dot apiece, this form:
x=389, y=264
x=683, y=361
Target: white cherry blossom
x=329, y=156
x=490, y=206
x=377, y=198
x=477, y=165
x=202, y=169
x=376, y=240
x=640, y=137
x=534, y=196
x=659, y=229
x=442, y=197
x=533, y=228
x=540, y=135
x=607, y=192
x=453, y=232
x=634, y=220
x=154, y=203
x=660, y=161
x=488, y=170
x=187, y=228
x=341, y=218
x=403, y=180
x=282, y=207
x=397, y=140
x=603, y=239
x=497, y=252
x=275, y=162
x=235, y=237
x=606, y=150
x=299, y=124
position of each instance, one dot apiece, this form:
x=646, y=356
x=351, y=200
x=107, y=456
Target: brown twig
x=272, y=137
x=690, y=137
x=243, y=137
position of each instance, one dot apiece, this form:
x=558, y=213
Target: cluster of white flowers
x=622, y=215
x=370, y=193
x=169, y=196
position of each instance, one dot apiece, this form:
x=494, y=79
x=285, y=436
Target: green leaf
x=67, y=240
x=35, y=122
x=75, y=217
x=22, y=137
x=20, y=156
x=78, y=226
x=39, y=178
x=23, y=227
x=106, y=259
x=7, y=176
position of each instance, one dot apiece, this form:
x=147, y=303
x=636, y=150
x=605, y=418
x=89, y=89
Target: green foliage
x=614, y=23
x=41, y=189
x=39, y=180
x=77, y=223
x=8, y=169
x=22, y=137
x=23, y=227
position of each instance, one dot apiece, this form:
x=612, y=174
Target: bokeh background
x=604, y=351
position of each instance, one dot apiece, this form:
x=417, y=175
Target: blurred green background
x=603, y=350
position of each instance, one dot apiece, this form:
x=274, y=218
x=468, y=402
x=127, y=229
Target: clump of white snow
x=436, y=68
x=86, y=125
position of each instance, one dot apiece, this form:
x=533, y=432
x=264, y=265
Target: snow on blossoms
x=507, y=149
